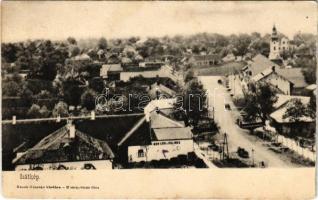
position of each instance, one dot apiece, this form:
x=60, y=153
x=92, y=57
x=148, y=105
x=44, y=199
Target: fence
x=294, y=145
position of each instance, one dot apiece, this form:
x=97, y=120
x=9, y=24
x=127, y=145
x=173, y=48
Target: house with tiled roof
x=66, y=149
x=295, y=76
x=111, y=71
x=205, y=60
x=287, y=80
x=158, y=90
x=304, y=125
x=161, y=104
x=169, y=139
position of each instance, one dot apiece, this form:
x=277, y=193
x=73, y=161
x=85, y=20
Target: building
x=295, y=76
x=66, y=149
x=205, y=60
x=258, y=64
x=111, y=71
x=161, y=104
x=82, y=57
x=288, y=80
x=157, y=90
x=151, y=64
x=311, y=89
x=269, y=75
x=277, y=45
x=169, y=139
x=229, y=58
x=304, y=126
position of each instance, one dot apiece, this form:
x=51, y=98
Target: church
x=277, y=45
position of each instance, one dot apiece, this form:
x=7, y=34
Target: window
x=141, y=153
x=274, y=48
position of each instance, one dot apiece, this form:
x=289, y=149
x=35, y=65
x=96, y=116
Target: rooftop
x=206, y=57
x=110, y=68
x=158, y=103
x=159, y=120
x=278, y=116
x=162, y=89
x=172, y=133
x=283, y=99
x=294, y=75
x=262, y=75
x=311, y=87
x=60, y=147
x=165, y=128
x=261, y=63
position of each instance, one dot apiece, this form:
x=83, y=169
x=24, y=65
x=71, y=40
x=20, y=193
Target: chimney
x=71, y=129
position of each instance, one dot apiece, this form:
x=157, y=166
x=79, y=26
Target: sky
x=85, y=19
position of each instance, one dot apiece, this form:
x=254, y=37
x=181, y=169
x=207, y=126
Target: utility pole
x=253, y=157
x=225, y=147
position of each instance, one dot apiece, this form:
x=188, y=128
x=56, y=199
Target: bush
x=60, y=109
x=34, y=111
x=10, y=89
x=88, y=99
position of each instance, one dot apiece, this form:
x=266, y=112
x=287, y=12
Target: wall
x=281, y=83
x=164, y=71
x=274, y=49
x=125, y=76
x=98, y=164
x=160, y=150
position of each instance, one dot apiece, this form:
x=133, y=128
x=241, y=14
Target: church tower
x=274, y=45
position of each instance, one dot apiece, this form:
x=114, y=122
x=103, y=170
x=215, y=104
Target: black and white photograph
x=158, y=85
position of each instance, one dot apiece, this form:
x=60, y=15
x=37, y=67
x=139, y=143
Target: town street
x=237, y=137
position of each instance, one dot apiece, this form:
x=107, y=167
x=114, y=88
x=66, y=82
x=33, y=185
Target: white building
x=66, y=149
x=169, y=139
x=288, y=81
x=272, y=77
x=277, y=45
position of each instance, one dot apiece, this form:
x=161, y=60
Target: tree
x=241, y=44
x=102, y=43
x=71, y=41
x=189, y=76
x=194, y=98
x=34, y=111
x=9, y=52
x=97, y=84
x=10, y=89
x=60, y=109
x=44, y=112
x=71, y=91
x=26, y=94
x=75, y=51
x=311, y=107
x=88, y=99
x=259, y=101
x=295, y=110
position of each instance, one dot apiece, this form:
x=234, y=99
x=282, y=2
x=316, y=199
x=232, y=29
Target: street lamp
x=253, y=157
